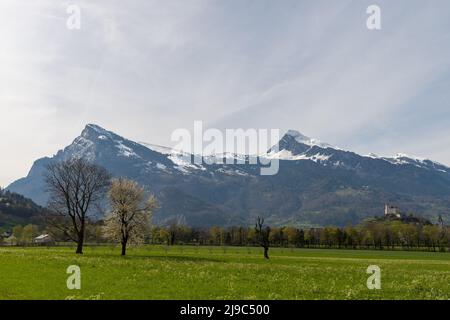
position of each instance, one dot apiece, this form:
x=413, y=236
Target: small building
x=392, y=211
x=6, y=234
x=43, y=239
x=10, y=241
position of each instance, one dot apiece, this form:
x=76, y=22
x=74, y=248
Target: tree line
x=368, y=235
x=379, y=235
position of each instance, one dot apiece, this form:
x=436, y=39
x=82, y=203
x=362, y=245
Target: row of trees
x=368, y=235
x=371, y=235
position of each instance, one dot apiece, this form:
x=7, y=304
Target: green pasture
x=186, y=272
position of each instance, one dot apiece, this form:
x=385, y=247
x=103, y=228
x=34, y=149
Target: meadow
x=186, y=272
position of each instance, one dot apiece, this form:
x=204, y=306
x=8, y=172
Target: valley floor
x=181, y=272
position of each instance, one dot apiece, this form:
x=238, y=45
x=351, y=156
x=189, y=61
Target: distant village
x=9, y=239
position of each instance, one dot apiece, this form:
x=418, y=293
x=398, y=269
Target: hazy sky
x=145, y=68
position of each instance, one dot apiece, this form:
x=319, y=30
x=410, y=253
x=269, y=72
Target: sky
x=144, y=68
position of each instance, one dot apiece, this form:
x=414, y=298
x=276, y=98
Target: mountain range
x=317, y=184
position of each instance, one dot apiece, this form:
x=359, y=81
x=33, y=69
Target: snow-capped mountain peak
x=96, y=128
x=94, y=132
x=307, y=140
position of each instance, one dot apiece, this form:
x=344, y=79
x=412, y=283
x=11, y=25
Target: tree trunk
x=80, y=240
x=266, y=252
x=124, y=248
x=80, y=245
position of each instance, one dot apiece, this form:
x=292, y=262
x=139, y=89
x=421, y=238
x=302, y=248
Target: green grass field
x=155, y=272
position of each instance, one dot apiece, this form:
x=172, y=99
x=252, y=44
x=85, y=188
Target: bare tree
x=262, y=236
x=75, y=186
x=129, y=218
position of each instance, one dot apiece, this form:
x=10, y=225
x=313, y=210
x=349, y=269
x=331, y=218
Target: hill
x=16, y=209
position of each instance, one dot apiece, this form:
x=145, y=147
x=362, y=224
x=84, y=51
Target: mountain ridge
x=317, y=184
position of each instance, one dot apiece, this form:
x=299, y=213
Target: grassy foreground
x=155, y=272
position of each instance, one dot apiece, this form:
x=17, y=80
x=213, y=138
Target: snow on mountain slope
x=404, y=159
x=287, y=155
x=182, y=161
x=157, y=148
x=295, y=146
